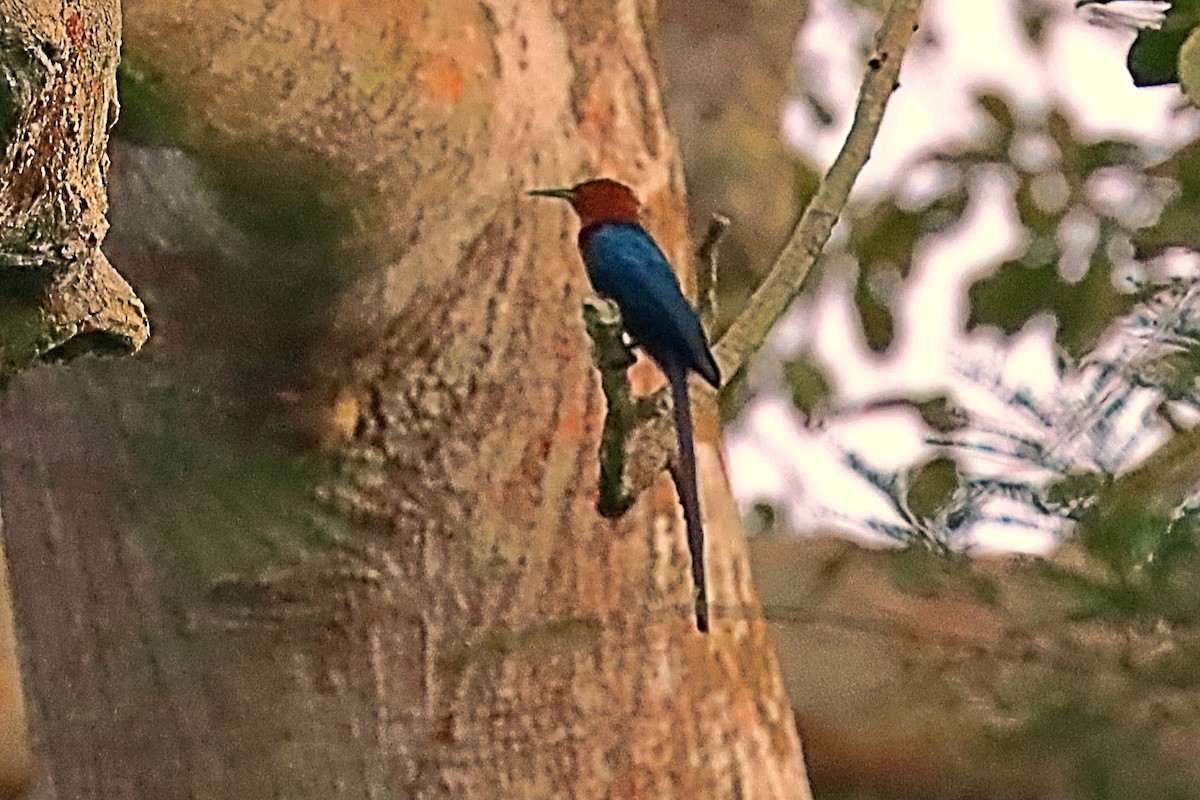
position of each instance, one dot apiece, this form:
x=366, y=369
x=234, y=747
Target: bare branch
x=794, y=262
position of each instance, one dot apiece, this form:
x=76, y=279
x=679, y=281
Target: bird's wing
x=625, y=263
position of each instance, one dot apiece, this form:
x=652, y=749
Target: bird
x=626, y=265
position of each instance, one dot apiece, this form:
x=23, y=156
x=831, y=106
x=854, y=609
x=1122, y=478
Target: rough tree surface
x=60, y=295
x=334, y=535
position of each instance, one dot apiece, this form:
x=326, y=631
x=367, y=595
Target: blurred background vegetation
x=936, y=667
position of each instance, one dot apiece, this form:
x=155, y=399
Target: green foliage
x=1154, y=56
x=1056, y=204
x=1176, y=225
x=931, y=486
x=1119, y=337
x=940, y=413
x=810, y=388
x=882, y=243
x=1050, y=199
x=1018, y=292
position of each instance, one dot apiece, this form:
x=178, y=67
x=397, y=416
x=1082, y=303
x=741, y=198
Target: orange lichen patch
x=705, y=422
x=442, y=78
x=343, y=415
x=571, y=423
x=75, y=29
x=744, y=714
x=644, y=376
x=597, y=113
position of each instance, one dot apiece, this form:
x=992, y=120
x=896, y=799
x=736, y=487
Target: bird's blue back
x=625, y=264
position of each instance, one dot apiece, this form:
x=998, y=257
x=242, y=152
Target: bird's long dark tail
x=689, y=496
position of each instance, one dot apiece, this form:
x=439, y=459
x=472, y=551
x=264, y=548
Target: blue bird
x=625, y=264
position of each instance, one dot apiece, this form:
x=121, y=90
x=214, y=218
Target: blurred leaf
x=1075, y=491
x=1177, y=225
x=931, y=485
x=766, y=519
x=810, y=389
x=888, y=235
x=1017, y=293
x=1034, y=19
x=1154, y=56
x=1157, y=345
x=1038, y=220
x=884, y=242
x=941, y=414
x=997, y=108
x=1091, y=156
x=877, y=324
x=1174, y=374
x=1189, y=67
x=1121, y=533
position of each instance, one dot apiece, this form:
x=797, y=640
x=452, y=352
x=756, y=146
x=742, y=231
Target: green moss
x=213, y=493
x=25, y=333
x=224, y=474
x=280, y=194
x=152, y=111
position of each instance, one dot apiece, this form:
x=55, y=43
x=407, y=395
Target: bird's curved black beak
x=562, y=194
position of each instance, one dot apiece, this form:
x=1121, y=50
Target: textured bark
x=368, y=563
x=61, y=296
x=15, y=766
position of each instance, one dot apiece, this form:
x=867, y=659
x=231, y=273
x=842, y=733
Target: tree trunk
x=335, y=536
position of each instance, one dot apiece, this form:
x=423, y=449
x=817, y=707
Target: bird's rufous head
x=600, y=200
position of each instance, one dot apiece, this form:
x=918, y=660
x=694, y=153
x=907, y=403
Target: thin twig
x=706, y=269
x=781, y=286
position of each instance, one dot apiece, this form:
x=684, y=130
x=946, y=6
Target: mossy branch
x=613, y=359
